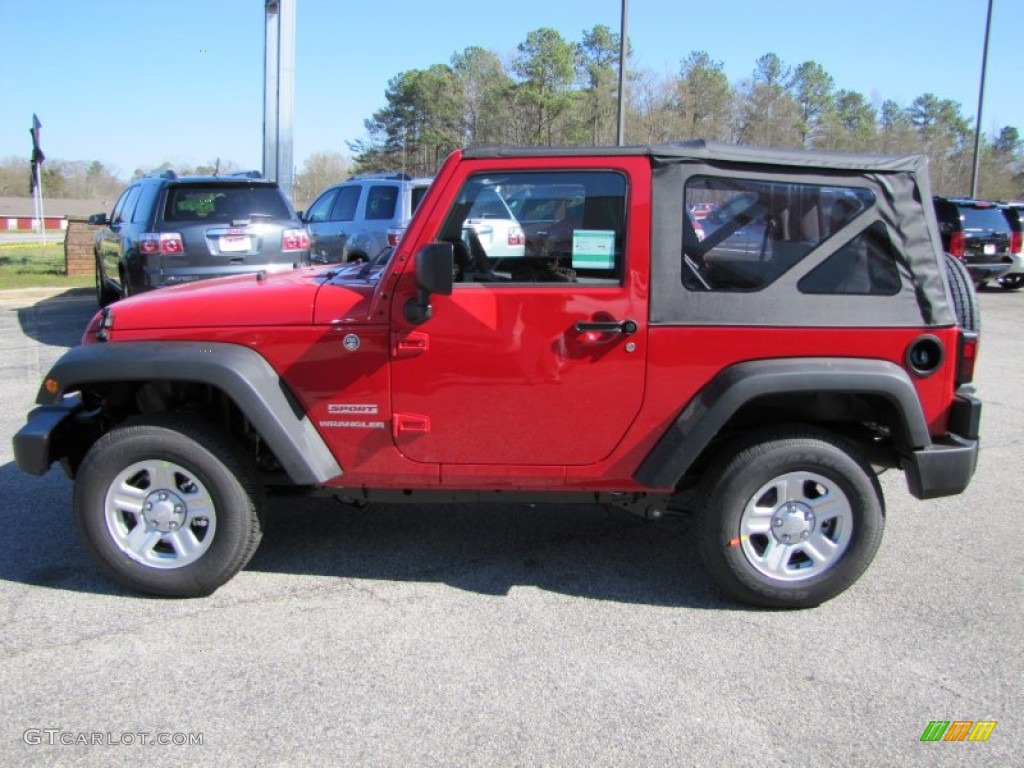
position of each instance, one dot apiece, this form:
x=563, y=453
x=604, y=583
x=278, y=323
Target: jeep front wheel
x=790, y=518
x=168, y=506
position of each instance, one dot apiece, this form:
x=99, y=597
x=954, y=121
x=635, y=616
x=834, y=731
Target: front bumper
x=47, y=437
x=946, y=466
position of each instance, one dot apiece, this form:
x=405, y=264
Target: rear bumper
x=982, y=272
x=44, y=439
x=946, y=466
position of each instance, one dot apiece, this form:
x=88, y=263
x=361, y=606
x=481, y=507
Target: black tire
x=105, y=295
x=203, y=519
x=965, y=297
x=1011, y=282
x=830, y=505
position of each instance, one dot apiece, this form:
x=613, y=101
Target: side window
x=130, y=203
x=539, y=227
x=380, y=203
x=345, y=206
x=321, y=207
x=865, y=266
x=115, y=215
x=418, y=193
x=743, y=234
x=146, y=206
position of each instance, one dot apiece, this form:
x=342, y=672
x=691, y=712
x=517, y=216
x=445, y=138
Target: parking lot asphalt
x=513, y=635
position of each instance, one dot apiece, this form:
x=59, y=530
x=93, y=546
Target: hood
x=276, y=299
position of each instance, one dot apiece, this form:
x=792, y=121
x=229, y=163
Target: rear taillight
x=295, y=240
x=967, y=358
x=394, y=236
x=957, y=244
x=153, y=243
x=1016, y=242
x=516, y=236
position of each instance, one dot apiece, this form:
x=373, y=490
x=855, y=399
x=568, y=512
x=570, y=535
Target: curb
x=35, y=294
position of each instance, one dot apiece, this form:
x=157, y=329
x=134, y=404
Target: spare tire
x=965, y=299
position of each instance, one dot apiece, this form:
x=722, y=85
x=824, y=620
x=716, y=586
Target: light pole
x=278, y=92
x=981, y=101
x=621, y=133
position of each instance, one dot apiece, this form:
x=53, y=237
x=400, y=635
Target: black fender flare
x=705, y=415
x=241, y=373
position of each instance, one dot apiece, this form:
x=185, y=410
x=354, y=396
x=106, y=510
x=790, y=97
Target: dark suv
x=165, y=230
x=984, y=235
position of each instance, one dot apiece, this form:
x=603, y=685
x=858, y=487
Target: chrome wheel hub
x=792, y=522
x=164, y=511
x=796, y=526
x=160, y=514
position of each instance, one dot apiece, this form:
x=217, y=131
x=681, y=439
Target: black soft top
x=903, y=205
x=704, y=151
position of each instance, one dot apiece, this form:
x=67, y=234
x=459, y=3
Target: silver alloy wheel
x=796, y=526
x=160, y=514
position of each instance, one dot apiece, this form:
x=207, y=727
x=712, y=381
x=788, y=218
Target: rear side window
x=345, y=205
x=751, y=232
x=224, y=203
x=380, y=203
x=131, y=201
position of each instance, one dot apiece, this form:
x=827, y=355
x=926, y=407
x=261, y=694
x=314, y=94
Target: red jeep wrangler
x=552, y=326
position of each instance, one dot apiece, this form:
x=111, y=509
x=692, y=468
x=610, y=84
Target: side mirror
x=434, y=264
x=298, y=214
x=99, y=220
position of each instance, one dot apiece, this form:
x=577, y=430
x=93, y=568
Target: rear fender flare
x=710, y=410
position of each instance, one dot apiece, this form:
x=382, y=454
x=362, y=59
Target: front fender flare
x=712, y=407
x=241, y=373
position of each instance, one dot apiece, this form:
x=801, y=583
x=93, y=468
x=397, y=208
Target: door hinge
x=410, y=424
x=410, y=344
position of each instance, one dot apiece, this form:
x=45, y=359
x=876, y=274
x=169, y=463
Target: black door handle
x=610, y=326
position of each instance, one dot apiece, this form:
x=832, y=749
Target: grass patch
x=34, y=266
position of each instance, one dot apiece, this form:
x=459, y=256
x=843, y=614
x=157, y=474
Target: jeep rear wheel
x=790, y=519
x=168, y=506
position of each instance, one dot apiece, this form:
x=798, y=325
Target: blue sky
x=134, y=83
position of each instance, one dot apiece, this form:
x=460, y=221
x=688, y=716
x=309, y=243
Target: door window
x=539, y=227
x=321, y=207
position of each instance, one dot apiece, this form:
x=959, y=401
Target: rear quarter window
x=380, y=203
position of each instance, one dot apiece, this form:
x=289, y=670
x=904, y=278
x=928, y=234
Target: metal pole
x=981, y=101
x=620, y=137
x=279, y=92
x=39, y=203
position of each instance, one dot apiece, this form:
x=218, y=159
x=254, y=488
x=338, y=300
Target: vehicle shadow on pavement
x=583, y=550
x=58, y=321
x=590, y=551
x=40, y=545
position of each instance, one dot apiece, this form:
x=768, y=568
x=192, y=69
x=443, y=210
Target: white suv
x=358, y=218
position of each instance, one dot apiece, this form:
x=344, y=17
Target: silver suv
x=356, y=219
